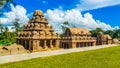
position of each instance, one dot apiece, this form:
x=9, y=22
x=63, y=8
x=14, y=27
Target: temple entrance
x=81, y=44
x=42, y=43
x=26, y=43
x=54, y=43
x=77, y=45
x=66, y=46
x=48, y=43
x=23, y=43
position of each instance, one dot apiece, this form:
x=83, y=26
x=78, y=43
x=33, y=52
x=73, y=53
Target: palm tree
x=4, y=4
x=16, y=26
x=6, y=29
x=1, y=28
x=64, y=26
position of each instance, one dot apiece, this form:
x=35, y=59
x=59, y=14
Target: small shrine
x=77, y=37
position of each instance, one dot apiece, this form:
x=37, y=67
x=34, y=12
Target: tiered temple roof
x=78, y=34
x=38, y=28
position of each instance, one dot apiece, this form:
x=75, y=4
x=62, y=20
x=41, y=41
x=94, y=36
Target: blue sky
x=32, y=5
x=83, y=13
x=110, y=15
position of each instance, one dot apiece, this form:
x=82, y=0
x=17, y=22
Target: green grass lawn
x=101, y=58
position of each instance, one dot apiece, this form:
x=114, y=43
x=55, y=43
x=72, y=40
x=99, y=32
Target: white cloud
x=95, y=4
x=18, y=13
x=11, y=28
x=56, y=17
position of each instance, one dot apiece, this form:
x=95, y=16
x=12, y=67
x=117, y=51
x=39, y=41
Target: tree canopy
x=95, y=32
x=4, y=5
x=112, y=33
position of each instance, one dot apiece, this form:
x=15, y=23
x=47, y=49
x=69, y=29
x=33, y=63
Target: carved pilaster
x=57, y=44
x=45, y=46
x=73, y=44
x=51, y=46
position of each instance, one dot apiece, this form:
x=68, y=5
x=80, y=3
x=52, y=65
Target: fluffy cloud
x=95, y=4
x=56, y=17
x=16, y=13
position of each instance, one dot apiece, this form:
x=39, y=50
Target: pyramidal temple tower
x=38, y=35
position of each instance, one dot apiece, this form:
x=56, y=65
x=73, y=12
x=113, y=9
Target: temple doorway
x=66, y=46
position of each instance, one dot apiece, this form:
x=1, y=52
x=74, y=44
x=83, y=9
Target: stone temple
x=38, y=34
x=77, y=37
x=103, y=39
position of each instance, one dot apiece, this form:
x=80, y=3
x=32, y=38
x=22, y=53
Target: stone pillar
x=89, y=43
x=30, y=48
x=73, y=44
x=57, y=44
x=22, y=42
x=94, y=44
x=86, y=44
x=51, y=46
x=34, y=46
x=62, y=45
x=45, y=46
x=25, y=44
x=83, y=44
x=69, y=45
x=79, y=45
x=17, y=41
x=39, y=44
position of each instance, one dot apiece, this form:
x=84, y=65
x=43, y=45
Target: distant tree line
x=112, y=33
x=7, y=37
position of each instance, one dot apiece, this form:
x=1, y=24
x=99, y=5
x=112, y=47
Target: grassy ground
x=101, y=58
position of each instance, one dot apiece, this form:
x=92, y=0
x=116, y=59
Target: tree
x=1, y=28
x=4, y=4
x=6, y=29
x=1, y=2
x=110, y=32
x=96, y=31
x=117, y=34
x=17, y=26
x=64, y=26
